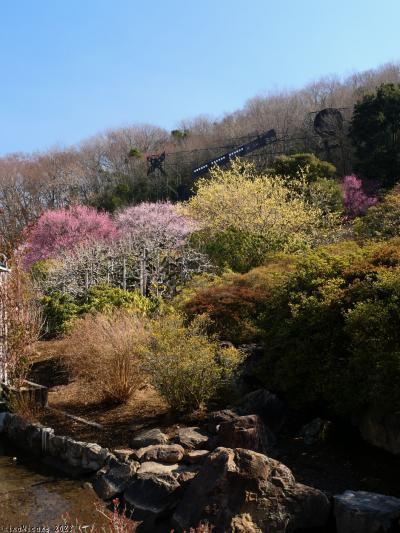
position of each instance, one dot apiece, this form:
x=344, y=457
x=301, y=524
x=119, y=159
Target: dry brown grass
x=20, y=322
x=25, y=406
x=103, y=351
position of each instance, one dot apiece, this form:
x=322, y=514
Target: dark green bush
x=59, y=312
x=233, y=248
x=115, y=197
x=332, y=330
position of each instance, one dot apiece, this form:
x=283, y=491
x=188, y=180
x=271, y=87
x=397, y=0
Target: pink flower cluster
x=63, y=229
x=356, y=202
x=152, y=220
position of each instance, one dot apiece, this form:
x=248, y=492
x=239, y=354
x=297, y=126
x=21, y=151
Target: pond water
x=32, y=495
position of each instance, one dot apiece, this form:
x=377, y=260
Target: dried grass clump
x=103, y=351
x=25, y=406
x=20, y=322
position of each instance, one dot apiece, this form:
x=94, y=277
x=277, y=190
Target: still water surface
x=34, y=496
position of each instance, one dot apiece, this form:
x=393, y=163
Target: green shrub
x=186, y=365
x=59, y=312
x=292, y=165
x=115, y=197
x=381, y=220
x=233, y=248
x=61, y=309
x=103, y=298
x=331, y=330
x=327, y=195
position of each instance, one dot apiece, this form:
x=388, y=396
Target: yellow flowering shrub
x=273, y=207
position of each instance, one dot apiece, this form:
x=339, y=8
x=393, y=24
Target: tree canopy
x=375, y=133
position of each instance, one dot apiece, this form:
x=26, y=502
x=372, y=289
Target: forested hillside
x=109, y=170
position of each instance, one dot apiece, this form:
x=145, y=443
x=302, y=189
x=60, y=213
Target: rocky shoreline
x=222, y=474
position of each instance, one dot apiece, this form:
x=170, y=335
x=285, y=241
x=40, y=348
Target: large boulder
x=366, y=512
x=381, y=429
x=243, y=491
x=152, y=492
x=149, y=437
x=193, y=438
x=94, y=456
x=266, y=404
x=156, y=487
x=166, y=453
x=245, y=432
x=113, y=480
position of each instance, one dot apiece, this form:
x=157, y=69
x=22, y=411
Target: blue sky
x=70, y=69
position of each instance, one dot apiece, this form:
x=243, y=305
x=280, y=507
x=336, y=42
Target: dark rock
x=185, y=474
x=110, y=482
x=249, y=369
x=124, y=454
x=166, y=453
x=381, y=429
x=94, y=451
x=195, y=457
x=245, y=432
x=3, y=419
x=57, y=445
x=317, y=430
x=244, y=491
x=149, y=437
x=152, y=491
x=217, y=417
x=192, y=438
x=366, y=512
x=265, y=404
x=56, y=463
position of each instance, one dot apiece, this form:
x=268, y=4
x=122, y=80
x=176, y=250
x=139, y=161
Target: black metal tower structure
x=261, y=141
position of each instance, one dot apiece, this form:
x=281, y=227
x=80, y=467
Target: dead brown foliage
x=20, y=318
x=103, y=351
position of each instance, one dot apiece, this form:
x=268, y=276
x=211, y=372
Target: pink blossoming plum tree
x=62, y=230
x=146, y=248
x=157, y=223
